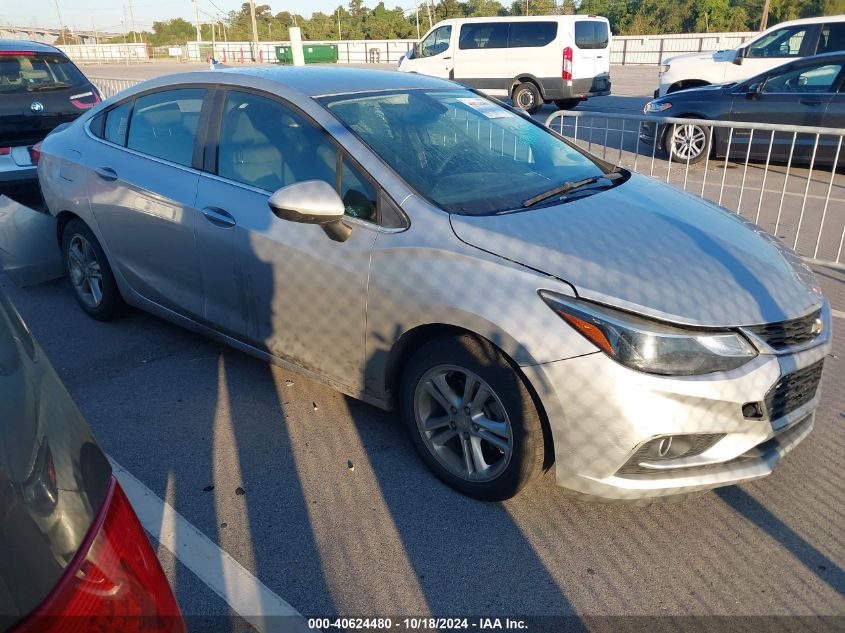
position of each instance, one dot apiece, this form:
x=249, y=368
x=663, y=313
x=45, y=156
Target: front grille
x=793, y=391
x=786, y=334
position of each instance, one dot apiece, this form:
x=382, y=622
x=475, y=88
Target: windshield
x=34, y=72
x=465, y=153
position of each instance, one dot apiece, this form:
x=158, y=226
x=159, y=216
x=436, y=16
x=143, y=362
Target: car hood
x=692, y=58
x=648, y=247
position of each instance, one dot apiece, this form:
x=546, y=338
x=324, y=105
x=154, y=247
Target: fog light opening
x=752, y=410
x=664, y=446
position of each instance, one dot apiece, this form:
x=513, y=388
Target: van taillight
x=114, y=583
x=35, y=153
x=567, y=63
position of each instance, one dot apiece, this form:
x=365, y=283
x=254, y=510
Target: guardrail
x=109, y=87
x=782, y=177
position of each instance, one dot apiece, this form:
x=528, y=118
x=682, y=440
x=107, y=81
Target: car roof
x=818, y=20
x=315, y=81
x=522, y=18
x=28, y=46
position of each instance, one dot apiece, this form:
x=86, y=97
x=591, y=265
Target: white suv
x=773, y=47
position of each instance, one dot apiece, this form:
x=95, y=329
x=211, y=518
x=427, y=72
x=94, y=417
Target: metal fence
x=653, y=49
x=785, y=178
x=109, y=87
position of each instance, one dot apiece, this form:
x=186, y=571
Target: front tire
x=688, y=143
x=526, y=96
x=89, y=272
x=471, y=418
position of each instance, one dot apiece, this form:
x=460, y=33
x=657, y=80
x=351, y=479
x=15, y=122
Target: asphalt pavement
x=323, y=500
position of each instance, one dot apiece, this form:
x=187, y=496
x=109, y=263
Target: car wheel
x=567, y=104
x=471, y=418
x=527, y=97
x=688, y=143
x=89, y=272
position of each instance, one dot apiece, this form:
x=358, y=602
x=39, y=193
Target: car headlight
x=656, y=106
x=664, y=68
x=652, y=346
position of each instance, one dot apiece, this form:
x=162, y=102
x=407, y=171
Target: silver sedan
x=417, y=245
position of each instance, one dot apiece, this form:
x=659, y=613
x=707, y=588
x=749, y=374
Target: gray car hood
x=651, y=248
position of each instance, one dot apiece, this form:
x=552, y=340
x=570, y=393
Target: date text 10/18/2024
x=416, y=624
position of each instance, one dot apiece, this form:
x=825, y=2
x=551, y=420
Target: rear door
x=831, y=38
x=591, y=55
x=799, y=95
x=142, y=188
x=532, y=49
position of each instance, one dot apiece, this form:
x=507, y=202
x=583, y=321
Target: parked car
x=773, y=47
x=73, y=555
x=420, y=246
x=562, y=59
x=40, y=88
x=805, y=92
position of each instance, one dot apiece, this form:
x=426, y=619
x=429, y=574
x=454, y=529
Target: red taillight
x=35, y=153
x=5, y=151
x=85, y=100
x=4, y=53
x=114, y=583
x=567, y=63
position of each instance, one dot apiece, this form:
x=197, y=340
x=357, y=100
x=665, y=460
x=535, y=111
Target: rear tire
x=526, y=96
x=471, y=418
x=89, y=272
x=567, y=104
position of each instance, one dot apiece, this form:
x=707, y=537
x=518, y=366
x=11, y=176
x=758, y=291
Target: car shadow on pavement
x=809, y=556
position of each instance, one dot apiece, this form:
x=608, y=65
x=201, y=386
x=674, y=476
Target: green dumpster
x=313, y=53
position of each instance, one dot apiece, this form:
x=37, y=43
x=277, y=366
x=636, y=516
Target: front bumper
x=601, y=413
x=17, y=168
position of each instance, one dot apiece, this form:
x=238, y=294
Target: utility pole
x=764, y=20
x=61, y=24
x=254, y=29
x=428, y=9
x=526, y=7
x=417, y=9
x=123, y=28
x=132, y=19
x=338, y=23
x=94, y=30
x=197, y=14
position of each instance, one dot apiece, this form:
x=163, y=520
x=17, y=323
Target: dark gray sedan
x=807, y=92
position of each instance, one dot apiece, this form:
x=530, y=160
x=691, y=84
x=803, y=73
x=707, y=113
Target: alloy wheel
x=463, y=423
x=688, y=142
x=84, y=271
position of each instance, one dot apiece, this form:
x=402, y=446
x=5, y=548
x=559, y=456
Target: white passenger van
x=533, y=60
x=774, y=47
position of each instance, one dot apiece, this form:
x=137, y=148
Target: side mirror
x=417, y=50
x=739, y=54
x=754, y=90
x=312, y=202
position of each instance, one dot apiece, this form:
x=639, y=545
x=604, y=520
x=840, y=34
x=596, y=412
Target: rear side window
x=117, y=123
x=164, y=124
x=832, y=38
x=591, y=34
x=36, y=72
x=531, y=34
x=484, y=35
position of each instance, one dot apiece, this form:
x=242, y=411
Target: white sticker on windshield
x=485, y=108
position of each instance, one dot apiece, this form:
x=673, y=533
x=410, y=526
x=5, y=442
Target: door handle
x=106, y=173
x=219, y=217
x=445, y=58
x=812, y=102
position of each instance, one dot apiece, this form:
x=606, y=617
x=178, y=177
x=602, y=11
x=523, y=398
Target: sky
x=107, y=14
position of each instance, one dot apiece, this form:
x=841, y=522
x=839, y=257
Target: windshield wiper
x=54, y=85
x=570, y=186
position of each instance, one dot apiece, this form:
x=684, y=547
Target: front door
x=142, y=189
x=436, y=53
x=283, y=287
x=799, y=95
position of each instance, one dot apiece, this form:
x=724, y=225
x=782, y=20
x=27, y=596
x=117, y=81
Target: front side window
x=483, y=35
x=785, y=42
x=164, y=124
x=465, y=153
x=591, y=34
x=267, y=145
x=531, y=34
x=832, y=39
x=437, y=41
x=804, y=80
x=37, y=72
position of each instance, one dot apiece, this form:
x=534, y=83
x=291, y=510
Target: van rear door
x=591, y=54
